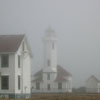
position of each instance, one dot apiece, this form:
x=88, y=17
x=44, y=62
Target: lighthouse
x=50, y=51
x=52, y=78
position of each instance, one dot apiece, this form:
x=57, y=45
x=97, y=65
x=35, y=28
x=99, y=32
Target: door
x=49, y=87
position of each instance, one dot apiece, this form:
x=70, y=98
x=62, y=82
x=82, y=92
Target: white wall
x=24, y=71
x=92, y=86
x=50, y=54
x=10, y=72
x=27, y=74
x=53, y=76
x=66, y=86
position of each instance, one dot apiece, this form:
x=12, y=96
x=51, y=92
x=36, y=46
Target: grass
x=66, y=97
x=63, y=97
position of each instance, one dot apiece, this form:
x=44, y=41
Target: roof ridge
x=93, y=77
x=12, y=34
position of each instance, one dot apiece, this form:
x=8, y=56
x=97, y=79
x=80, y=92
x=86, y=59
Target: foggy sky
x=77, y=26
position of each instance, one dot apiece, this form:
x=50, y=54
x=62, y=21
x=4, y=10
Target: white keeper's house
x=52, y=78
x=15, y=66
x=92, y=85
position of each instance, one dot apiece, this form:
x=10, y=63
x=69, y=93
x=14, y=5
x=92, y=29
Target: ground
x=63, y=97
x=66, y=97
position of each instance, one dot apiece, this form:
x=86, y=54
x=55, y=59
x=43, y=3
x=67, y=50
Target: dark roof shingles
x=62, y=74
x=10, y=43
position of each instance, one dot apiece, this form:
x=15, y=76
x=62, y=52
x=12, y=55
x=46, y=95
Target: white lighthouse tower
x=52, y=78
x=50, y=60
x=50, y=51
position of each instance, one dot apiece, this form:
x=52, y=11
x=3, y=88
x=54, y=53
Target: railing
x=93, y=90
x=45, y=90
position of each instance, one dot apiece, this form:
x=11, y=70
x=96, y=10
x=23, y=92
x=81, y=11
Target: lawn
x=63, y=97
x=66, y=97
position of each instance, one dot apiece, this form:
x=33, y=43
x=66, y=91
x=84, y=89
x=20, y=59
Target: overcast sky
x=77, y=26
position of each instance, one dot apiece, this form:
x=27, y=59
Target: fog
x=77, y=26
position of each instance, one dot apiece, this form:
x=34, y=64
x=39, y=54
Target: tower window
x=49, y=63
x=59, y=85
x=37, y=85
x=48, y=87
x=48, y=76
x=53, y=45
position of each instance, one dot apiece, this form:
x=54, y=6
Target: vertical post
x=25, y=91
x=15, y=97
x=14, y=94
x=22, y=94
x=98, y=87
x=31, y=91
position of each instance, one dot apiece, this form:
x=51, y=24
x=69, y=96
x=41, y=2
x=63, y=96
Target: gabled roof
x=63, y=71
x=10, y=43
x=62, y=74
x=38, y=73
x=93, y=77
x=38, y=79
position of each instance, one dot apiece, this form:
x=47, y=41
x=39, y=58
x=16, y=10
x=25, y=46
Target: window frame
x=49, y=63
x=38, y=85
x=23, y=46
x=19, y=82
x=48, y=76
x=19, y=61
x=48, y=86
x=60, y=85
x=3, y=83
x=4, y=60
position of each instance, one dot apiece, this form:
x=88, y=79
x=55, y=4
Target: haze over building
x=52, y=78
x=77, y=24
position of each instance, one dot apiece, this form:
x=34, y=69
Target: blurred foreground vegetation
x=62, y=97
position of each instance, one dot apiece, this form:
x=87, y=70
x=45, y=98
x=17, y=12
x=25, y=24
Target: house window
x=49, y=63
x=37, y=85
x=4, y=60
x=48, y=87
x=19, y=61
x=18, y=82
x=59, y=85
x=23, y=46
x=48, y=76
x=4, y=82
